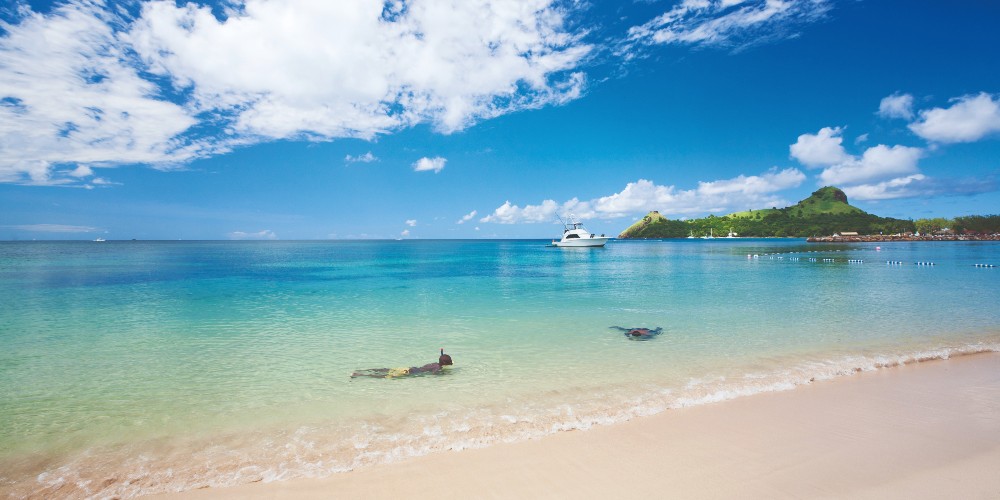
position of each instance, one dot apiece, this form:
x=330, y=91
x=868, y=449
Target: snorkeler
x=443, y=361
x=639, y=333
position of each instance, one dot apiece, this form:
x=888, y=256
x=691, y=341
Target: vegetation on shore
x=825, y=212
x=970, y=224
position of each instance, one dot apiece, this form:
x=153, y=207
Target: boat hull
x=581, y=242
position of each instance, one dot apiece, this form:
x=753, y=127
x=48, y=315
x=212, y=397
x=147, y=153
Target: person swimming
x=640, y=333
x=443, y=361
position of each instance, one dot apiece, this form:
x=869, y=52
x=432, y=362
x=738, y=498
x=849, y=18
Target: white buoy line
x=781, y=256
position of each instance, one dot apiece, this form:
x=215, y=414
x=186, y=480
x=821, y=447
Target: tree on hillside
x=977, y=224
x=927, y=226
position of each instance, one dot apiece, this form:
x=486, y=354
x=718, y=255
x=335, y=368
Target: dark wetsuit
x=428, y=368
x=403, y=372
x=639, y=333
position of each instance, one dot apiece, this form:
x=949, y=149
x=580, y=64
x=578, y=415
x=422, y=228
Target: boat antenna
x=561, y=221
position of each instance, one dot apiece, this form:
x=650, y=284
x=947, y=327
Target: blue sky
x=289, y=119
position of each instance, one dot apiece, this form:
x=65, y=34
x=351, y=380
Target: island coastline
x=878, y=238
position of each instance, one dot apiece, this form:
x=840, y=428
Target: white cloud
x=715, y=196
x=467, y=217
x=81, y=171
x=53, y=228
x=425, y=164
x=71, y=94
x=728, y=23
x=896, y=106
x=76, y=89
x=101, y=182
x=753, y=185
x=405, y=232
x=921, y=186
x=512, y=214
x=901, y=187
x=357, y=69
x=365, y=158
x=411, y=222
x=969, y=119
x=266, y=234
x=888, y=172
x=877, y=162
x=643, y=195
x=823, y=149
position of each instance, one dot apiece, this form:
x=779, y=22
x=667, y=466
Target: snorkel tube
x=444, y=360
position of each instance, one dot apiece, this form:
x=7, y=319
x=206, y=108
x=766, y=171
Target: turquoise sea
x=129, y=368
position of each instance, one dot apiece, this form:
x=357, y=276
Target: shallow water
x=142, y=367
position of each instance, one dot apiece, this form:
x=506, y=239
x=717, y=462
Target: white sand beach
x=925, y=430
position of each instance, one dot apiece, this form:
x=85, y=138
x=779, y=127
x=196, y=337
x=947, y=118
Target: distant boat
x=575, y=235
x=732, y=234
x=709, y=236
x=100, y=240
x=691, y=236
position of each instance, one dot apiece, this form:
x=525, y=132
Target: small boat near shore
x=575, y=235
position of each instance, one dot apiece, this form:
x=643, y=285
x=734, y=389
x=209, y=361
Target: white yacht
x=575, y=235
x=732, y=234
x=710, y=235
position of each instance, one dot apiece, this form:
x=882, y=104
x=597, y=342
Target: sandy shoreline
x=924, y=430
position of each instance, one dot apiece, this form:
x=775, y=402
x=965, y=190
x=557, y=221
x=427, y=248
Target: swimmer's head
x=444, y=359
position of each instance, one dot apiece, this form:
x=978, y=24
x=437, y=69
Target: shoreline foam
x=928, y=429
x=304, y=453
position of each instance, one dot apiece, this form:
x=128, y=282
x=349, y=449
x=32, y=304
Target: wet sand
x=926, y=430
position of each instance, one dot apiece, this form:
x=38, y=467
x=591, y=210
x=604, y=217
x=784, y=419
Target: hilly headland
x=824, y=213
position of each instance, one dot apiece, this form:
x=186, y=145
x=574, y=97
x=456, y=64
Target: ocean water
x=130, y=368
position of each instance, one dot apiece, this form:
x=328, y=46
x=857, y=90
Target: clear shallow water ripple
x=137, y=367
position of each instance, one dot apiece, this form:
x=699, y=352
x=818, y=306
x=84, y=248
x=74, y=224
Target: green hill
x=824, y=212
x=655, y=224
x=752, y=213
x=827, y=200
